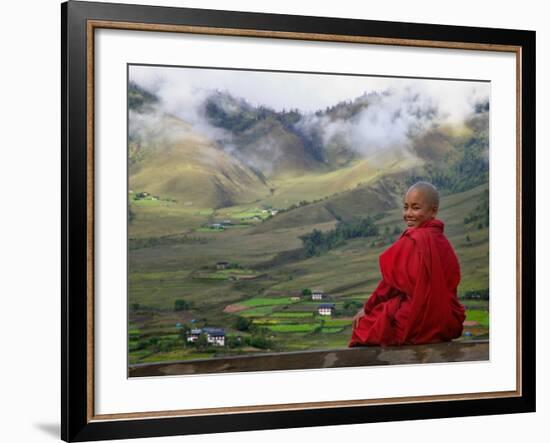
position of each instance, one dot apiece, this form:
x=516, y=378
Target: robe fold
x=416, y=300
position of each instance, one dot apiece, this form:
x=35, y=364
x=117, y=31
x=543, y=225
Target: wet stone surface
x=457, y=351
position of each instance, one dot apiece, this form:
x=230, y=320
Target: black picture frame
x=78, y=422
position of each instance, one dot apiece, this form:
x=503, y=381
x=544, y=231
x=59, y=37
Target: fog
x=397, y=107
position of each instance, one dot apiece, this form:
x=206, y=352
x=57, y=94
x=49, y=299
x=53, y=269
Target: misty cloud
x=306, y=92
x=393, y=109
x=152, y=127
x=385, y=121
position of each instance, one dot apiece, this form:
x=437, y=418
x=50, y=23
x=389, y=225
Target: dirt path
x=230, y=309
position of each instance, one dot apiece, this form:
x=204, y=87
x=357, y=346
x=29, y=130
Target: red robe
x=416, y=301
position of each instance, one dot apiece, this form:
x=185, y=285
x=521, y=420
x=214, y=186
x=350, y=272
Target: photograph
x=287, y=214
x=273, y=221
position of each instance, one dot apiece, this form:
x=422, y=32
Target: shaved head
x=429, y=191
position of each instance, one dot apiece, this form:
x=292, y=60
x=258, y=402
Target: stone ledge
x=456, y=351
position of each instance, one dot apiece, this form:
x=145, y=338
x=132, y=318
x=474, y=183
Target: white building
x=214, y=336
x=317, y=294
x=222, y=265
x=326, y=309
x=193, y=335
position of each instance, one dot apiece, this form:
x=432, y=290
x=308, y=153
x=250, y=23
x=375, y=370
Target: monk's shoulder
x=401, y=255
x=416, y=233
x=422, y=235
x=406, y=241
x=422, y=238
x=409, y=236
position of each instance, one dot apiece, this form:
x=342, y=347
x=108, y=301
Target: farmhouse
x=142, y=195
x=214, y=336
x=193, y=335
x=317, y=294
x=326, y=308
x=222, y=265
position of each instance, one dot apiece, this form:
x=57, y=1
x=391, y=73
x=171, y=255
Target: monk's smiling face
x=418, y=207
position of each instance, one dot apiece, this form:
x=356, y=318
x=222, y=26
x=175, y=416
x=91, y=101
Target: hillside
x=279, y=159
x=268, y=147
x=177, y=163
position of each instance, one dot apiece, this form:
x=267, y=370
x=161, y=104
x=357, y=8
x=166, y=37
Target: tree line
x=317, y=242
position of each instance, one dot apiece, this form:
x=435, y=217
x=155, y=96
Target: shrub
x=181, y=305
x=259, y=342
x=243, y=323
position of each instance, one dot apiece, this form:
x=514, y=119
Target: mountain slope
x=189, y=168
x=253, y=154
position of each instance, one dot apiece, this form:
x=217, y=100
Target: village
x=246, y=218
x=216, y=336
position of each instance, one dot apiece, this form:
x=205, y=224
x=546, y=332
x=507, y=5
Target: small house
x=317, y=294
x=222, y=265
x=326, y=308
x=193, y=335
x=295, y=298
x=215, y=336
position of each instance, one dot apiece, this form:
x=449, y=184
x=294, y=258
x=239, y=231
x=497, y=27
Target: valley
x=259, y=231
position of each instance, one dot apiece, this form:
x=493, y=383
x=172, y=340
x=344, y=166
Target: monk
x=416, y=300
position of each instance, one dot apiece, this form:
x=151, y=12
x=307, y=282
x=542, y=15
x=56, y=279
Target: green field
x=257, y=312
x=480, y=316
x=292, y=314
x=266, y=302
x=331, y=330
x=294, y=328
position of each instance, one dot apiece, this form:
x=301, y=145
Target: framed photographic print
x=275, y=221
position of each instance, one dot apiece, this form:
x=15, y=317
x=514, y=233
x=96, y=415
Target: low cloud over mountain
x=440, y=124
